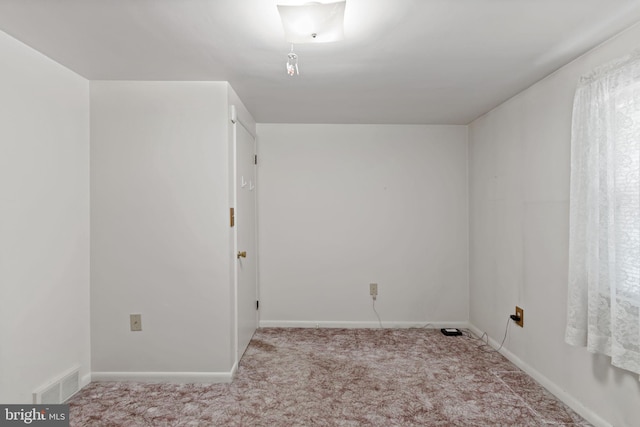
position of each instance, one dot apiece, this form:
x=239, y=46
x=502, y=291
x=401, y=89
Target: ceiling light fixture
x=292, y=63
x=313, y=22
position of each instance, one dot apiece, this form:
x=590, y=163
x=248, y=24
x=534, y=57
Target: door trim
x=235, y=121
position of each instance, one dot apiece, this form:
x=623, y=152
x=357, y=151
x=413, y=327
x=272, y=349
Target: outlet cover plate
x=136, y=322
x=520, y=313
x=373, y=289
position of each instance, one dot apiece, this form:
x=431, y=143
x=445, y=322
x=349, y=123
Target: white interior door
x=246, y=242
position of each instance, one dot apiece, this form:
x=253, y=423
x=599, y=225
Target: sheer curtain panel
x=604, y=230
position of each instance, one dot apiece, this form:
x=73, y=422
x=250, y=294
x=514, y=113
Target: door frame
x=234, y=122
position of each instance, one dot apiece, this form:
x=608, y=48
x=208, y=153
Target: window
x=604, y=232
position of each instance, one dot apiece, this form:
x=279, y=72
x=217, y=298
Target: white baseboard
x=356, y=325
x=85, y=380
x=164, y=377
x=234, y=369
x=552, y=387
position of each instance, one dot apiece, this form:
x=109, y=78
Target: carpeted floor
x=340, y=377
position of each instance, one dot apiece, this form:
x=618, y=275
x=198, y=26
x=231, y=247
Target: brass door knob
x=242, y=254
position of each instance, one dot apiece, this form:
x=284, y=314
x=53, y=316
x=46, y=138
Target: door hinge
x=257, y=305
x=232, y=217
x=255, y=159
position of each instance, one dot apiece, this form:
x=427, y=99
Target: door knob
x=242, y=254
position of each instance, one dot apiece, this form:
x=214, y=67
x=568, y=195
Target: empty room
x=334, y=213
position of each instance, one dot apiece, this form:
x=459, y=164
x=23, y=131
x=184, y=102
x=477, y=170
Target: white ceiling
x=403, y=61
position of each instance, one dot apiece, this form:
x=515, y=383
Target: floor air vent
x=59, y=389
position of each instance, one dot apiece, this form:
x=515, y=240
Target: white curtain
x=604, y=234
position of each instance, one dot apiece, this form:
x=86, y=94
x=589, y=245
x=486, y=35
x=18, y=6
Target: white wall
x=519, y=163
x=345, y=205
x=160, y=229
x=44, y=221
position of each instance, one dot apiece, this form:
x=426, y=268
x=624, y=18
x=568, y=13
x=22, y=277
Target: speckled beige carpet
x=339, y=377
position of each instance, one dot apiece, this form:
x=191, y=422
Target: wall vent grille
x=59, y=389
x=69, y=385
x=50, y=394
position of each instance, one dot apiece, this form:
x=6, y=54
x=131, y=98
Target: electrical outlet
x=520, y=314
x=136, y=322
x=373, y=290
